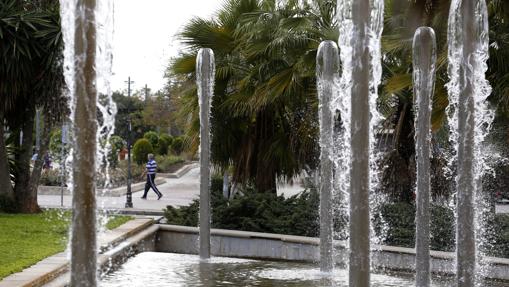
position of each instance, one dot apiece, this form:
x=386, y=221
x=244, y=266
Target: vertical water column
x=359, y=269
x=83, y=236
x=205, y=75
x=469, y=121
x=360, y=28
x=424, y=60
x=327, y=74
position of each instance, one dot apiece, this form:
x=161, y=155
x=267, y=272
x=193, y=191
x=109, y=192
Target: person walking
x=150, y=170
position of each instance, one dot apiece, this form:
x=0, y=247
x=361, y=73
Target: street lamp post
x=129, y=195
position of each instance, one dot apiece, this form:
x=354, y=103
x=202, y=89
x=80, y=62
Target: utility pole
x=146, y=94
x=129, y=195
x=65, y=137
x=37, y=131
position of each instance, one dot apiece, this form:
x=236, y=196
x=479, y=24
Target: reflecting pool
x=151, y=269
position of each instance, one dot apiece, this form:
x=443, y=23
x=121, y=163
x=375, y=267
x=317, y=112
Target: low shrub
x=55, y=144
x=152, y=137
x=118, y=176
x=398, y=222
x=167, y=164
x=496, y=240
x=298, y=215
x=177, y=146
x=141, y=149
x=399, y=218
x=443, y=234
x=164, y=143
x=116, y=144
x=7, y=204
x=50, y=177
x=259, y=212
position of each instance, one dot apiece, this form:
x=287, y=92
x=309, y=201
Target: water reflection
x=152, y=269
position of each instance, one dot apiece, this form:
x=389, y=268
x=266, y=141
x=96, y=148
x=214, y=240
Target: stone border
x=179, y=173
x=54, y=266
x=142, y=235
x=255, y=245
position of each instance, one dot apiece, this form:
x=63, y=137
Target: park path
x=176, y=192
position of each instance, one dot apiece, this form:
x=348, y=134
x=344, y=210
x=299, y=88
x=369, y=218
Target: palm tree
x=401, y=20
x=264, y=110
x=265, y=106
x=31, y=76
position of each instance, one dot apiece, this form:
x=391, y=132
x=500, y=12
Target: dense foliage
x=254, y=211
x=298, y=215
x=169, y=163
x=264, y=110
x=264, y=120
x=31, y=78
x=163, y=144
x=153, y=138
x=178, y=144
x=141, y=149
x=399, y=228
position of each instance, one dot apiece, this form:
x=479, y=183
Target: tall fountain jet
x=424, y=61
x=327, y=75
x=82, y=85
x=205, y=75
x=469, y=120
x=360, y=29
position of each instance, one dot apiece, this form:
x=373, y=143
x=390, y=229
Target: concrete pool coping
x=51, y=267
x=265, y=246
x=142, y=234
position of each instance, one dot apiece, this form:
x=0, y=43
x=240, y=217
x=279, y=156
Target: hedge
x=141, y=149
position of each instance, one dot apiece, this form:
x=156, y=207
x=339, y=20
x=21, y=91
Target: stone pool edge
x=147, y=236
x=266, y=246
x=46, y=270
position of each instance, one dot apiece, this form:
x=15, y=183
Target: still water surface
x=151, y=269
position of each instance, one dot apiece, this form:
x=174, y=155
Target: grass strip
x=25, y=239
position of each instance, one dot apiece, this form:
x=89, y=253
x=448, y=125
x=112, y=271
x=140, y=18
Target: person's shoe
x=143, y=197
x=159, y=197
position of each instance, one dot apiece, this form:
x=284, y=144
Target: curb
x=51, y=267
x=179, y=173
x=126, y=211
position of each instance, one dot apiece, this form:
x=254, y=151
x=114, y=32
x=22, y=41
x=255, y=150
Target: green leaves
x=265, y=106
x=30, y=49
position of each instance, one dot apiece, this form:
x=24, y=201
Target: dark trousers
x=151, y=184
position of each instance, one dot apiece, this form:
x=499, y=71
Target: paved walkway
x=176, y=192
x=502, y=208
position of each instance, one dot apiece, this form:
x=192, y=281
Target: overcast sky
x=144, y=37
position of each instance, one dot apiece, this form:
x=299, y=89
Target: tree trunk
x=265, y=181
x=26, y=202
x=5, y=180
x=36, y=171
x=399, y=176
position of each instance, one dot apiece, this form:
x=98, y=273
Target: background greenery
x=298, y=215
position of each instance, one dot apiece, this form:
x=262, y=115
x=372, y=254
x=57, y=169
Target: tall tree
x=31, y=76
x=396, y=99
x=264, y=112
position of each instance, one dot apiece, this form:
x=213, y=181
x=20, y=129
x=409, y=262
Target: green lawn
x=28, y=238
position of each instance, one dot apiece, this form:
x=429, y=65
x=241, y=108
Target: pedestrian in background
x=150, y=170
